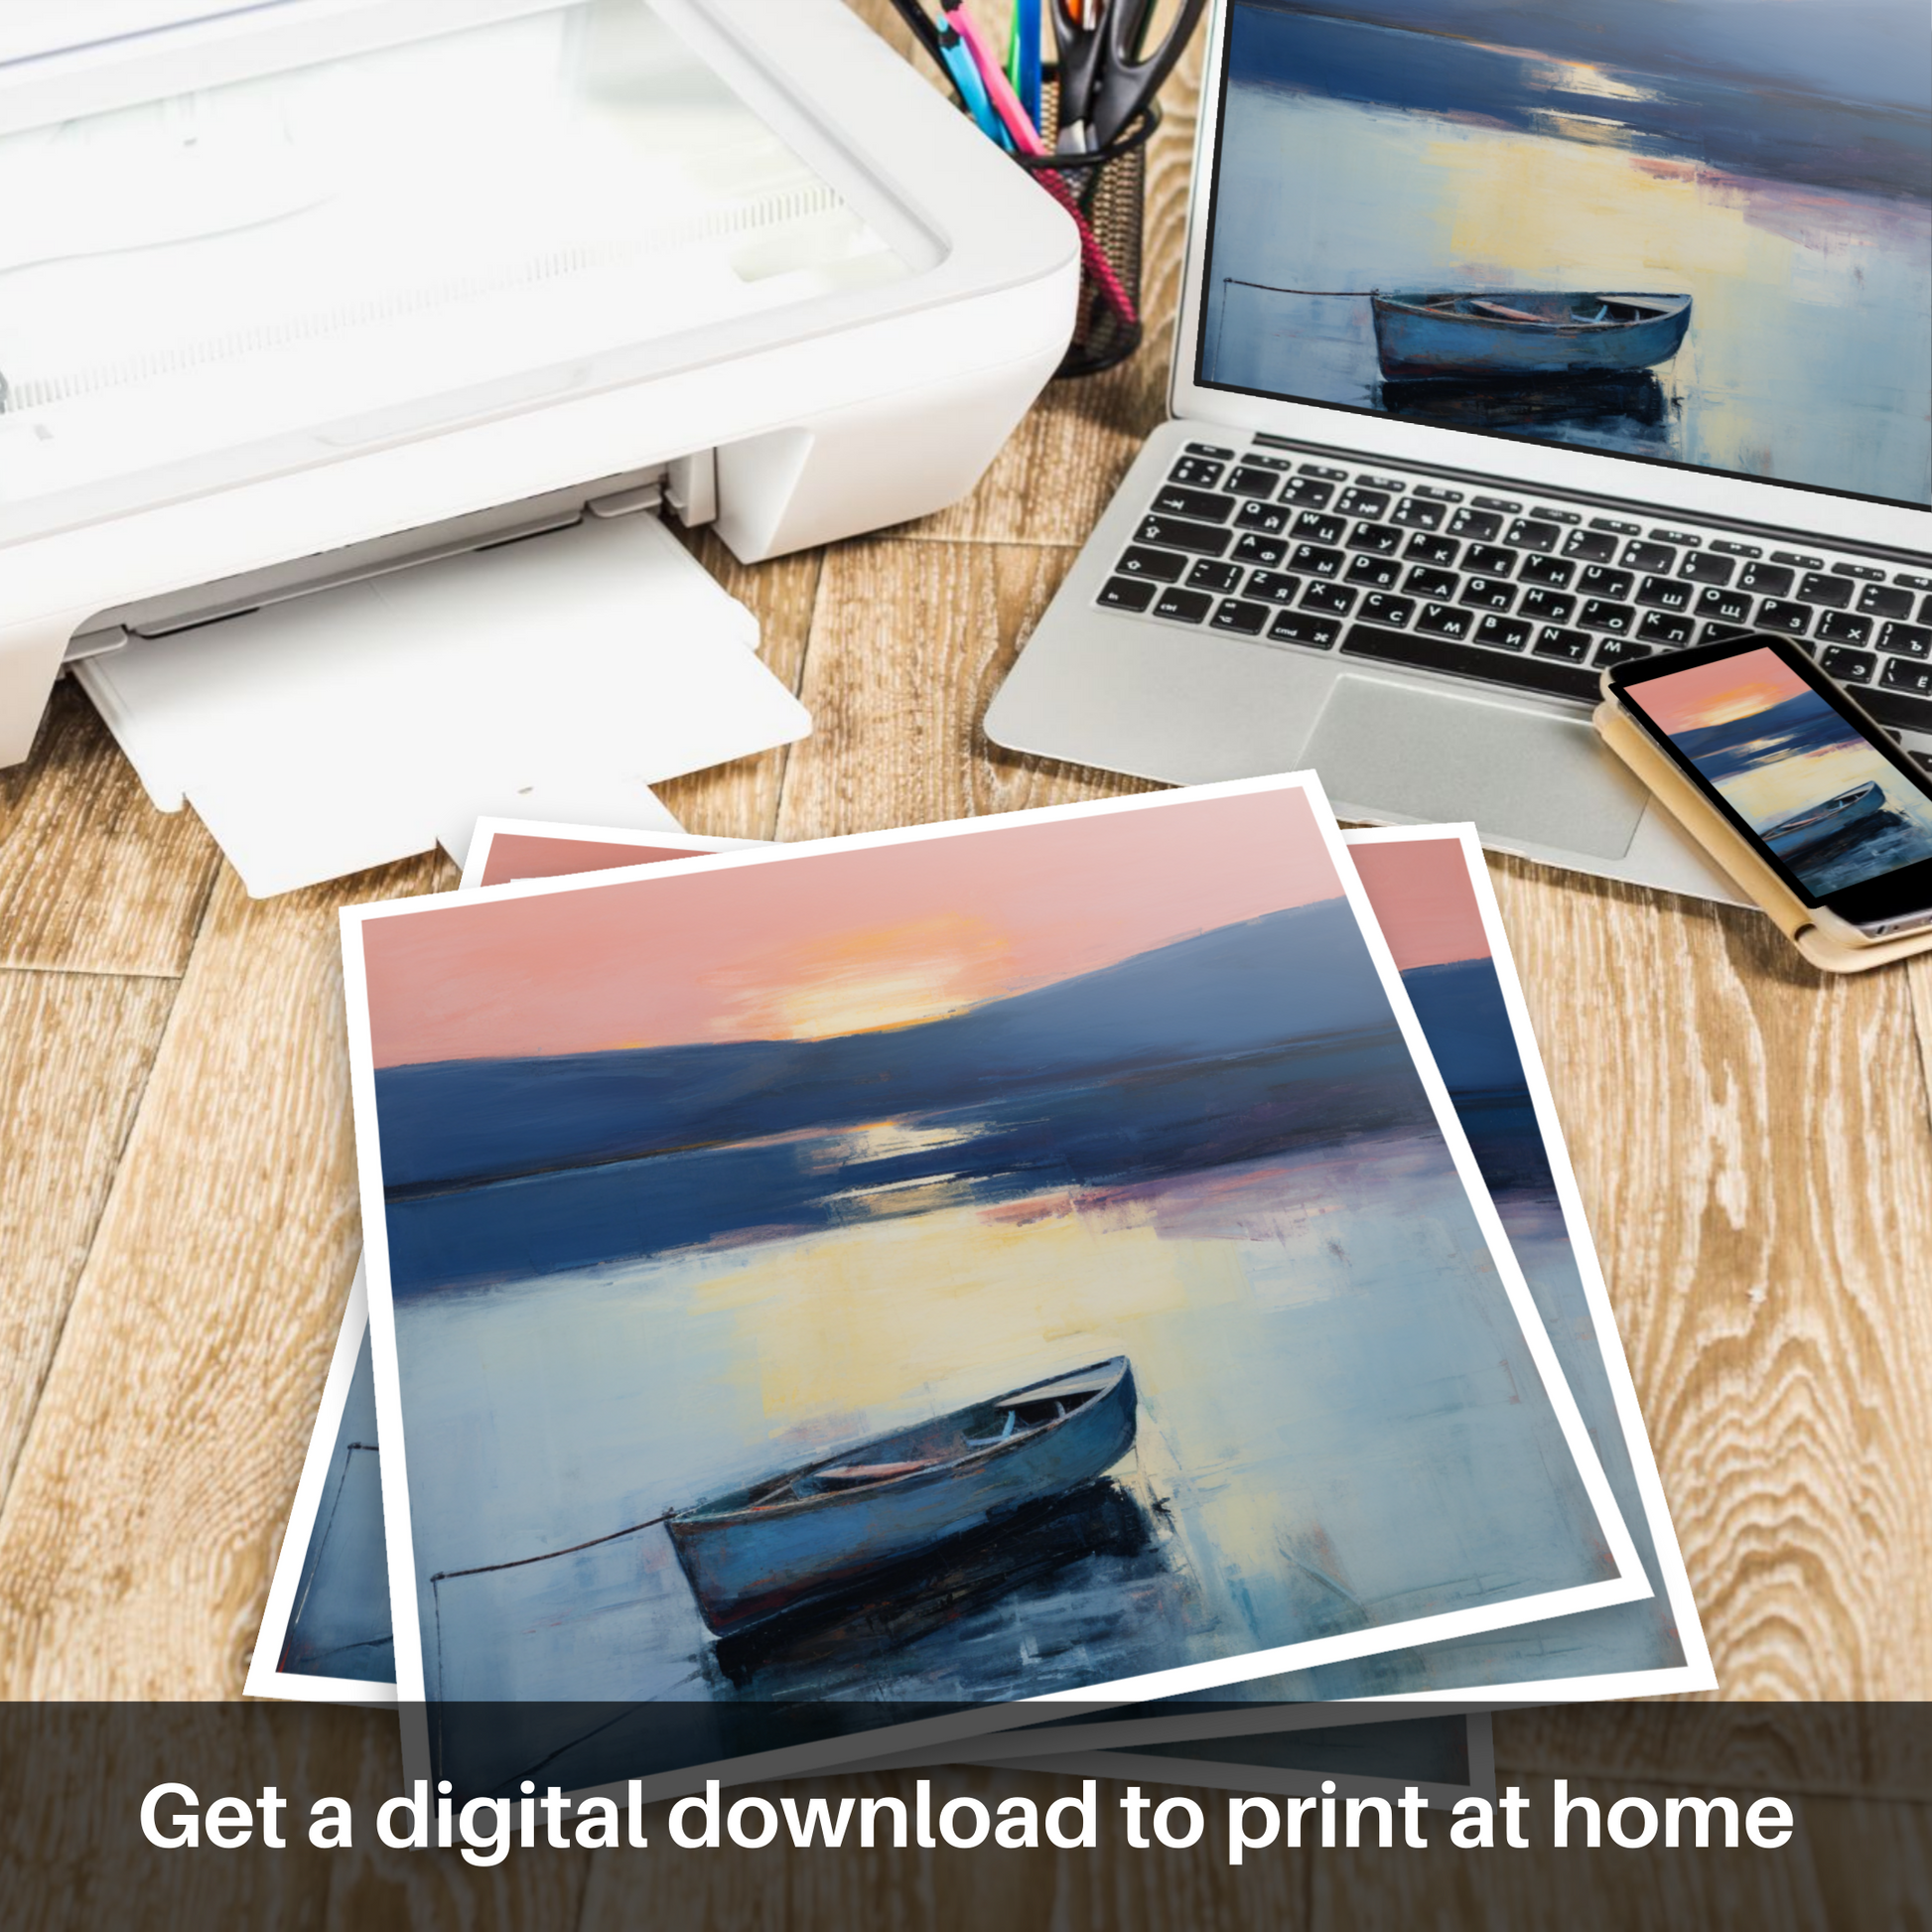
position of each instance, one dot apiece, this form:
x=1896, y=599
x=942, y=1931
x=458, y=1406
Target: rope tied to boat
x=1236, y=281
x=544, y=1556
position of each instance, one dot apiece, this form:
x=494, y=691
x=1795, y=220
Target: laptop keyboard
x=1532, y=594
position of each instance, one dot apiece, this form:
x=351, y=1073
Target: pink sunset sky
x=837, y=942
x=524, y=854
x=1423, y=900
x=1715, y=694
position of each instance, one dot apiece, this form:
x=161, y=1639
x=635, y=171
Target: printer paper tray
x=556, y=677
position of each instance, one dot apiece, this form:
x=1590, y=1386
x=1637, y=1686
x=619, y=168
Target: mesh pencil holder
x=1105, y=192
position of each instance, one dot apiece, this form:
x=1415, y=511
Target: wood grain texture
x=1752, y=1145
x=1863, y=1867
x=909, y=642
x=1918, y=978
x=1872, y=1749
x=72, y=1781
x=147, y=1502
x=93, y=879
x=75, y=1055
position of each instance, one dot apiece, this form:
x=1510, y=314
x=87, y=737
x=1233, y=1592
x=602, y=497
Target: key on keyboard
x=1161, y=565
x=1178, y=502
x=1286, y=552
x=1197, y=472
x=1298, y=627
x=1211, y=575
x=1434, y=654
x=1247, y=482
x=1175, y=533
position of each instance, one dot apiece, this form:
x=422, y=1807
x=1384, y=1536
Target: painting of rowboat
x=805, y=1536
x=1632, y=227
x=1831, y=807
x=932, y=1270
x=1844, y=815
x=1514, y=332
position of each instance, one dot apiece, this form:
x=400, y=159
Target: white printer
x=297, y=293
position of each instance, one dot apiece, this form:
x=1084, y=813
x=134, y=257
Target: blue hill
x=1237, y=991
x=1781, y=731
x=1460, y=1006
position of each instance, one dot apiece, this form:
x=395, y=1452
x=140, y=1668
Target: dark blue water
x=1824, y=758
x=1868, y=850
x=1134, y=1127
x=1796, y=728
x=1183, y=1059
x=1721, y=113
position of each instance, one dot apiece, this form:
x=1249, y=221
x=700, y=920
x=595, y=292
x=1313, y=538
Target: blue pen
x=972, y=89
x=1026, y=84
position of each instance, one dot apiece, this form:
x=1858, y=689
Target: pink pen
x=1006, y=104
x=1026, y=137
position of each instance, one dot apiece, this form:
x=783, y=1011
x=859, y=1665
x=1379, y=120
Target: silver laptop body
x=1415, y=592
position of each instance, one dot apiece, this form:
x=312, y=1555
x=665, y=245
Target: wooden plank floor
x=178, y=1218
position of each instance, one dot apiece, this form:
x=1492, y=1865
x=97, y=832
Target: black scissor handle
x=1082, y=50
x=1128, y=79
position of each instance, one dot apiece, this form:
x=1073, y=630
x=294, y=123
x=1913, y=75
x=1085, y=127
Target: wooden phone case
x=1798, y=921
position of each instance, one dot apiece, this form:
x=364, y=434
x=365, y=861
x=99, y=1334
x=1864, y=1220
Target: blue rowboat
x=1524, y=331
x=816, y=1531
x=1818, y=824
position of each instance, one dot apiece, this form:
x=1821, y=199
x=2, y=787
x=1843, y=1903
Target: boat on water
x=1819, y=824
x=813, y=1532
x=1524, y=331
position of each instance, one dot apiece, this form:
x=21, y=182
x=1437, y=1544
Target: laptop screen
x=1697, y=232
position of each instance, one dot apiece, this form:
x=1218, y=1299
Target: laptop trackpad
x=1386, y=747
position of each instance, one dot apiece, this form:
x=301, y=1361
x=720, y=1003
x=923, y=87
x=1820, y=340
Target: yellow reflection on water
x=955, y=1300
x=1789, y=786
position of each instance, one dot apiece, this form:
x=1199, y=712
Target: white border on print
x=671, y=839
x=1282, y=1780
x=265, y=1677
x=1627, y=1584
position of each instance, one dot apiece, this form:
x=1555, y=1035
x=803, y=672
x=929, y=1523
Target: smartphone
x=1785, y=757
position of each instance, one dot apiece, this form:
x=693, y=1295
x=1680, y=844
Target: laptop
x=1498, y=362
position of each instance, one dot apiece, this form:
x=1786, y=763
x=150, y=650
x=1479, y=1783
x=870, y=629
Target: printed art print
x=1024, y=1258
x=1432, y=897
x=329, y=1622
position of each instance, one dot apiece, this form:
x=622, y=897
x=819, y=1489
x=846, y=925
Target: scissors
x=1106, y=75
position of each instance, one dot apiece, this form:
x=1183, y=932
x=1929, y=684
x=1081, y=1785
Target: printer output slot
x=525, y=537
x=688, y=485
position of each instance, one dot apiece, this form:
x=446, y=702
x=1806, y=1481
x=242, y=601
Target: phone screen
x=1833, y=808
